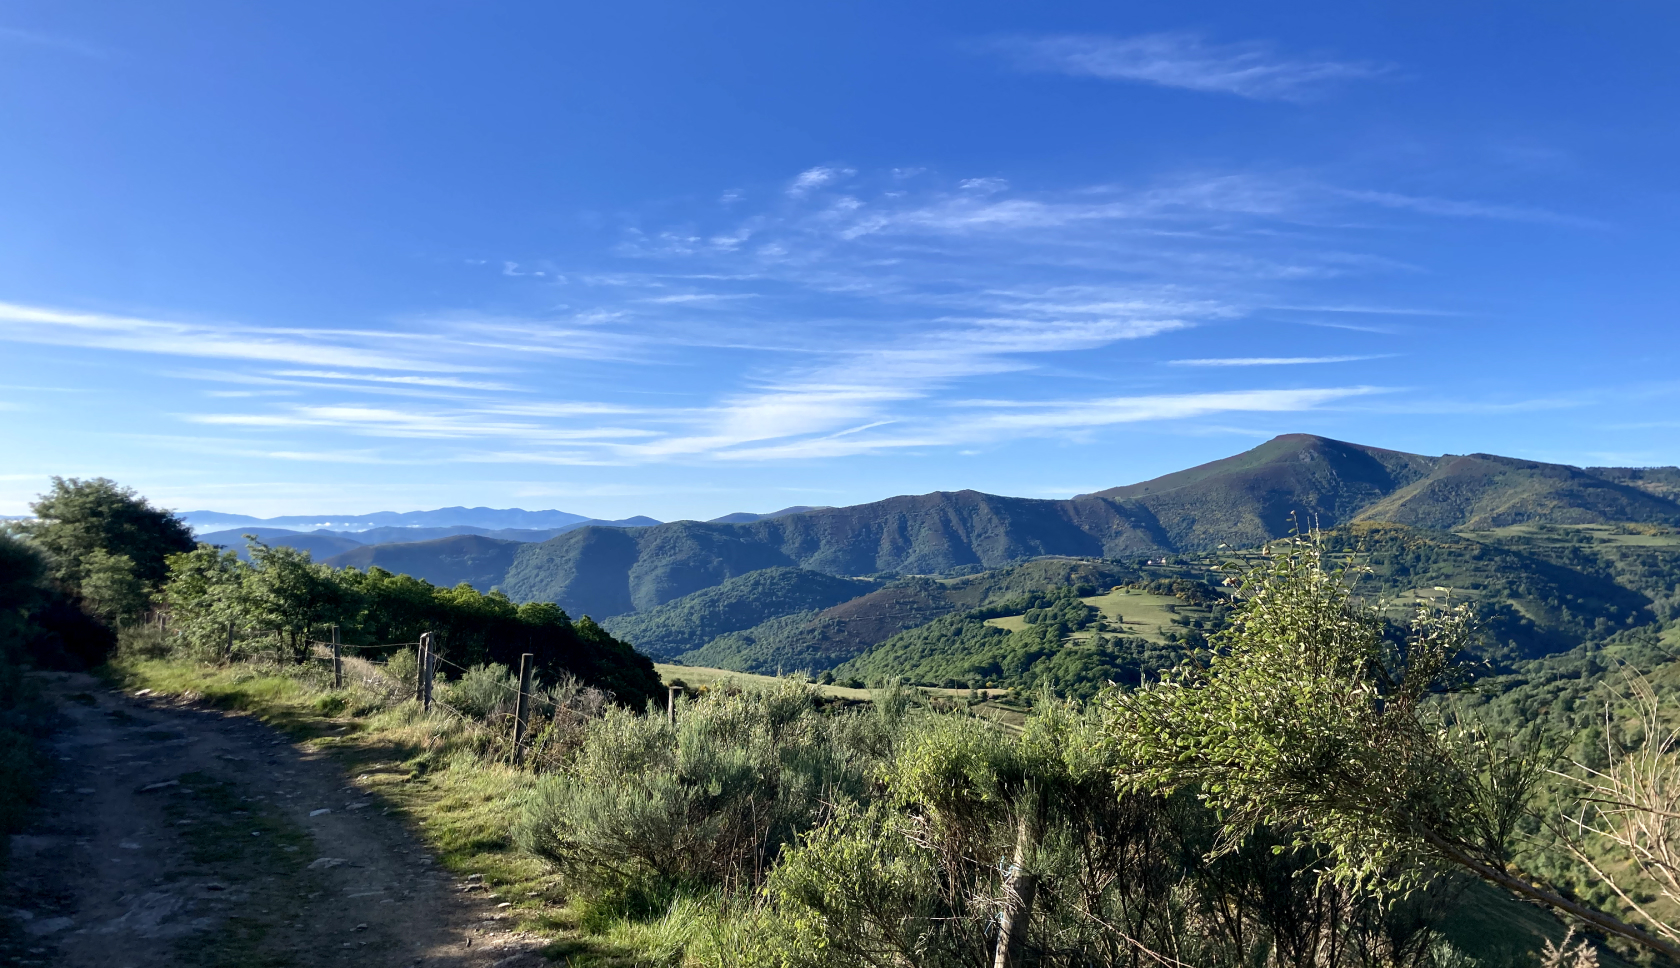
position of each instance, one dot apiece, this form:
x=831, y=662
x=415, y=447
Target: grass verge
x=444, y=777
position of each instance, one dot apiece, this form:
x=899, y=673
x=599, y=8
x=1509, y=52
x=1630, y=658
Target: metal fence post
x=338, y=663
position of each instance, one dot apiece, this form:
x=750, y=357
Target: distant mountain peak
x=747, y=517
x=1376, y=466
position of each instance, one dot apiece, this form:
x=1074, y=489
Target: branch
x=1517, y=885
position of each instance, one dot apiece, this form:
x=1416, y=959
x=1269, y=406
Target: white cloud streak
x=59, y=327
x=842, y=317
x=1456, y=208
x=1181, y=60
x=1274, y=360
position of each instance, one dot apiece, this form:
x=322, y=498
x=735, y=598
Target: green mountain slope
x=1056, y=639
x=738, y=603
x=1529, y=605
x=1485, y=491
x=817, y=640
x=1664, y=482
x=1243, y=500
x=607, y=571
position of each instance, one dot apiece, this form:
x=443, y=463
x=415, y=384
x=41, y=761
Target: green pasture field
x=1637, y=536
x=1126, y=611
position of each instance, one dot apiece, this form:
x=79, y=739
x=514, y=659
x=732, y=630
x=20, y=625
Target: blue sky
x=685, y=259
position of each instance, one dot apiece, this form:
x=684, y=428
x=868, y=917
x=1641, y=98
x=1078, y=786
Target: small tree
x=288, y=592
x=207, y=598
x=110, y=588
x=1306, y=717
x=78, y=518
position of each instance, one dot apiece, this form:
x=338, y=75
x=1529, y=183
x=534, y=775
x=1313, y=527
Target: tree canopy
x=78, y=520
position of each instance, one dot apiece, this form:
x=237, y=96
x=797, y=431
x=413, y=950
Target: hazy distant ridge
x=487, y=518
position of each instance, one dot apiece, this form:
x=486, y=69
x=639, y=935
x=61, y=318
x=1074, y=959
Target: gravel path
x=183, y=836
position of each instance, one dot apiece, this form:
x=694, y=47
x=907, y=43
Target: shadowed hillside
x=739, y=603
x=609, y=571
x=479, y=561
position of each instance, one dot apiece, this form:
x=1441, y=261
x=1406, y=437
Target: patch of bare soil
x=183, y=836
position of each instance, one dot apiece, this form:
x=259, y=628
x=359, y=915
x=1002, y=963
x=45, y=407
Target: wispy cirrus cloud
x=1274, y=360
x=844, y=314
x=1459, y=208
x=1183, y=60
x=60, y=327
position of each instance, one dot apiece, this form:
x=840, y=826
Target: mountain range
x=325, y=543
x=486, y=518
x=515, y=524
x=1296, y=480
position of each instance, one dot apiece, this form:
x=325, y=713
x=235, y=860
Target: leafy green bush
x=484, y=691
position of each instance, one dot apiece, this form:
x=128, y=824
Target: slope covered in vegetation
x=739, y=603
x=819, y=640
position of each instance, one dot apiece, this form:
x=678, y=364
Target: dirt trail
x=182, y=836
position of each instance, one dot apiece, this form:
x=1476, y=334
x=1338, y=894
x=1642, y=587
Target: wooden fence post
x=431, y=669
x=671, y=704
x=1020, y=887
x=338, y=663
x=229, y=655
x=423, y=657
x=522, y=708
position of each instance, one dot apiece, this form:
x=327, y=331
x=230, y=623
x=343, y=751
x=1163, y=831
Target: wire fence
x=496, y=725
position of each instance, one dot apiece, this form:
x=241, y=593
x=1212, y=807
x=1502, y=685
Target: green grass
x=706, y=676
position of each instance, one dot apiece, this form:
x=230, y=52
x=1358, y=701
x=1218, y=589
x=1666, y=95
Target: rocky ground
x=182, y=836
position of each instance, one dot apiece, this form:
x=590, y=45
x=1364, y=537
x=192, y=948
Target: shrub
x=484, y=691
x=403, y=668
x=145, y=642
x=645, y=809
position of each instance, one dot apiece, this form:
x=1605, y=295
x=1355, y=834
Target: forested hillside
x=739, y=603
x=819, y=640
x=477, y=560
